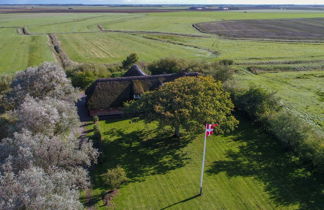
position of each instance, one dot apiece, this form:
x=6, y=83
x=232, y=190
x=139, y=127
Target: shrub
x=5, y=81
x=95, y=119
x=130, y=60
x=6, y=124
x=97, y=135
x=173, y=65
x=226, y=62
x=115, y=177
x=292, y=131
x=219, y=72
x=257, y=103
x=46, y=80
x=167, y=66
x=83, y=75
x=288, y=129
x=43, y=161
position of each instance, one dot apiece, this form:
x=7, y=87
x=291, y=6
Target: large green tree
x=187, y=103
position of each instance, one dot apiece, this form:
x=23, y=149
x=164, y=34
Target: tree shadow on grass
x=141, y=153
x=286, y=179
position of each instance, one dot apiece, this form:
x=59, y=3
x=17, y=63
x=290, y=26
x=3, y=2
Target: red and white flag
x=210, y=129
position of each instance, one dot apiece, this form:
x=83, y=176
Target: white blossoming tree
x=43, y=160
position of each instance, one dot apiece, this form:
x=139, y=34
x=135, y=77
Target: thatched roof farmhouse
x=106, y=96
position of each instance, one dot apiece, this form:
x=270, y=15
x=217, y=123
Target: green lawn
x=244, y=170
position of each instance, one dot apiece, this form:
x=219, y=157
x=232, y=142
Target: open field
x=283, y=29
x=114, y=47
x=249, y=52
x=18, y=52
x=301, y=92
x=245, y=170
x=242, y=51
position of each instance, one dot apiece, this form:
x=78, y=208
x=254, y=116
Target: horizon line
x=155, y=4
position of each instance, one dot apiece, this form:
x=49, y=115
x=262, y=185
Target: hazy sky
x=161, y=2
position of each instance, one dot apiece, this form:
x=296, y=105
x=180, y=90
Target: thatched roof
x=135, y=70
x=111, y=93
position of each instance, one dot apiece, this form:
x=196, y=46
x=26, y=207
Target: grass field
x=19, y=52
x=301, y=92
x=114, y=47
x=244, y=170
x=96, y=47
x=254, y=52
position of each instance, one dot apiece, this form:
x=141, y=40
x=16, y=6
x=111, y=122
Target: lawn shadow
x=141, y=153
x=182, y=201
x=286, y=178
x=90, y=201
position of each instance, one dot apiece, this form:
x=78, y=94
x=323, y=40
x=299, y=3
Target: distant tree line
x=42, y=161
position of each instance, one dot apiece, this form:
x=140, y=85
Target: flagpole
x=203, y=163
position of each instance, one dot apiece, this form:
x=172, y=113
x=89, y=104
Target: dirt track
x=280, y=29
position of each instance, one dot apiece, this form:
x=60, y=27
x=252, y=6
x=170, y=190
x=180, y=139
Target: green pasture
x=18, y=52
x=253, y=52
x=245, y=169
x=96, y=47
x=302, y=92
x=114, y=47
x=181, y=22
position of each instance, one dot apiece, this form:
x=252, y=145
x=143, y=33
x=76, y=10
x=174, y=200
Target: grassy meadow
x=245, y=169
x=82, y=40
x=18, y=52
x=302, y=92
x=114, y=47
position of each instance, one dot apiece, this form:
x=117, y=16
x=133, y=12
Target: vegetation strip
x=182, y=44
x=101, y=28
x=65, y=61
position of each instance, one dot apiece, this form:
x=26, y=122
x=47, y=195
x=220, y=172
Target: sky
x=161, y=2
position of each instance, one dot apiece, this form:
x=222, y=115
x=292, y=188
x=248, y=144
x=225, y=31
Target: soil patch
x=279, y=29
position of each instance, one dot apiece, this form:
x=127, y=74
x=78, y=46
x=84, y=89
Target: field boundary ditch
x=182, y=44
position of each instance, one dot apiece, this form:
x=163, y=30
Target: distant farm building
x=107, y=96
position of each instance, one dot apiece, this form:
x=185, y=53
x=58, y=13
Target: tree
x=258, y=103
x=188, y=103
x=167, y=66
x=32, y=188
x=43, y=160
x=48, y=116
x=130, y=60
x=115, y=177
x=84, y=74
x=47, y=80
x=219, y=70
